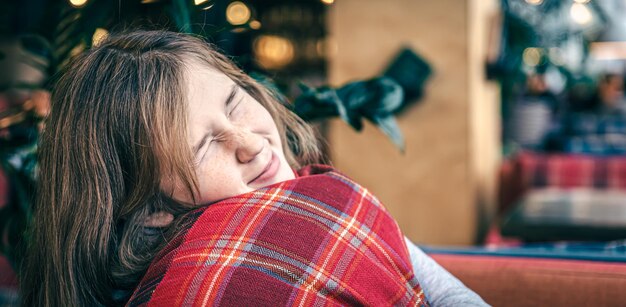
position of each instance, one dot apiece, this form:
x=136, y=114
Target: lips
x=270, y=170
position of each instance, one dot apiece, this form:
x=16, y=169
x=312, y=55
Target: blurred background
x=509, y=130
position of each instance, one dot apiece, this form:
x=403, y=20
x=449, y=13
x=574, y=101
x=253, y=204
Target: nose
x=247, y=145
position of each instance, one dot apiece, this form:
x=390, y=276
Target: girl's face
x=233, y=139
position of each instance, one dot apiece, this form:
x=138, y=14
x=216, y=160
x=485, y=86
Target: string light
x=237, y=13
x=78, y=3
x=199, y=2
x=328, y=1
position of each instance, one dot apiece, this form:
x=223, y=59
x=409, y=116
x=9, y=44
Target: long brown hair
x=117, y=127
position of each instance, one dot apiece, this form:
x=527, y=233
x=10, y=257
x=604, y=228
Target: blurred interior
x=514, y=136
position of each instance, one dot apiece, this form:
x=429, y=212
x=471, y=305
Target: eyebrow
x=229, y=100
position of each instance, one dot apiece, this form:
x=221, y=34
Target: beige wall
x=484, y=102
x=432, y=188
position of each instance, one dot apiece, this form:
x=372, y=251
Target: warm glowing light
x=98, y=36
x=580, y=13
x=78, y=3
x=255, y=24
x=203, y=4
x=532, y=56
x=534, y=2
x=273, y=52
x=78, y=49
x=237, y=13
x=328, y=1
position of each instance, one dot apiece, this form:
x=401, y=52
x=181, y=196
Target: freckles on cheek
x=217, y=184
x=218, y=190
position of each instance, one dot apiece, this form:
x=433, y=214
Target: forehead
x=203, y=80
x=207, y=91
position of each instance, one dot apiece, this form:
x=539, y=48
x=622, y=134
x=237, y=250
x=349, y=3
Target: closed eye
x=232, y=110
x=221, y=137
x=207, y=147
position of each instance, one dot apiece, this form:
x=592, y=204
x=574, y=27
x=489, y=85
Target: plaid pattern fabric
x=320, y=239
x=529, y=170
x=572, y=171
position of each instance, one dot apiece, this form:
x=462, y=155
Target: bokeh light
x=532, y=56
x=78, y=3
x=273, y=52
x=556, y=56
x=237, y=13
x=98, y=36
x=78, y=49
x=255, y=24
x=580, y=14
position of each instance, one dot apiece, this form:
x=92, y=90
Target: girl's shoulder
x=320, y=235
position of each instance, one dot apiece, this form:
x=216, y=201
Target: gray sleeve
x=439, y=286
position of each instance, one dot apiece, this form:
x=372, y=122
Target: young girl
x=167, y=177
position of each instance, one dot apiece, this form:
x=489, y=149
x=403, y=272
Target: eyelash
x=216, y=138
x=207, y=146
x=234, y=108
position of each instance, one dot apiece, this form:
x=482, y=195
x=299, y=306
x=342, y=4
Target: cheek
x=213, y=184
x=217, y=180
x=265, y=124
x=257, y=113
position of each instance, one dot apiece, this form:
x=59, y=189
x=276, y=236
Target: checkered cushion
x=569, y=171
x=530, y=170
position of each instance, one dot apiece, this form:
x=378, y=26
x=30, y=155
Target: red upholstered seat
x=518, y=281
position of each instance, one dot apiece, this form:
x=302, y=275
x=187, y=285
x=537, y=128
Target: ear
x=158, y=220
